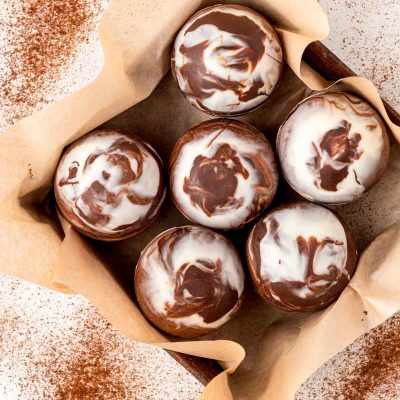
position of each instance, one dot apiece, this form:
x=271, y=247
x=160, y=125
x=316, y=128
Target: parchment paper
x=282, y=349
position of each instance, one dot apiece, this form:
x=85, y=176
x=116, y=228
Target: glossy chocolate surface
x=301, y=256
x=227, y=60
x=333, y=147
x=223, y=173
x=109, y=184
x=189, y=281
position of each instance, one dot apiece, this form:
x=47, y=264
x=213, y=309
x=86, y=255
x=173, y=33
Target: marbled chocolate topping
x=340, y=152
x=189, y=279
x=212, y=182
x=301, y=256
x=333, y=147
x=223, y=173
x=109, y=182
x=227, y=59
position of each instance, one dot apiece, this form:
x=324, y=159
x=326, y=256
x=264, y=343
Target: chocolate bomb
x=333, y=147
x=109, y=184
x=301, y=256
x=227, y=60
x=223, y=174
x=189, y=281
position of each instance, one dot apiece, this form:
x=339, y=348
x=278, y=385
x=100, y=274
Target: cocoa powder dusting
x=89, y=375
x=57, y=347
x=369, y=369
x=48, y=49
x=79, y=368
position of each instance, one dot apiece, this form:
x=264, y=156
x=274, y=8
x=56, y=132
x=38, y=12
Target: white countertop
x=365, y=34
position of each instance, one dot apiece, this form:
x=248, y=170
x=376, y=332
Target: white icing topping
x=160, y=270
x=222, y=52
x=281, y=260
x=107, y=170
x=236, y=212
x=301, y=135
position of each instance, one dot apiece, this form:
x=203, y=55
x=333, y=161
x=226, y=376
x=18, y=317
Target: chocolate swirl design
x=199, y=289
x=109, y=184
x=335, y=153
x=301, y=257
x=227, y=59
x=189, y=281
x=213, y=181
x=333, y=147
x=223, y=173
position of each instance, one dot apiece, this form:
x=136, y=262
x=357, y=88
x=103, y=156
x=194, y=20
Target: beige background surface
x=364, y=35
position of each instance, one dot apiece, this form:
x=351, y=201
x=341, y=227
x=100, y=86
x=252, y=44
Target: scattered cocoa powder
x=87, y=371
x=57, y=347
x=369, y=369
x=79, y=368
x=40, y=43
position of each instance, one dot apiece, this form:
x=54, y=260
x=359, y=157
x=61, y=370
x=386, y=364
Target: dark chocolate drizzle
x=334, y=154
x=198, y=285
x=212, y=182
